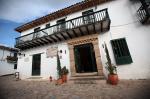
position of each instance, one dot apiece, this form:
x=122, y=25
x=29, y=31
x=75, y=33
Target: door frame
x=33, y=64
x=91, y=54
x=84, y=40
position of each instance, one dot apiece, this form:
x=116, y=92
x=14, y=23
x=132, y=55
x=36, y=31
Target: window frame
x=121, y=51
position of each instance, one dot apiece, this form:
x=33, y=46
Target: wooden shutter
x=121, y=51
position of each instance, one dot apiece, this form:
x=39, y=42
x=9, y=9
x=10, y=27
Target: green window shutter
x=121, y=51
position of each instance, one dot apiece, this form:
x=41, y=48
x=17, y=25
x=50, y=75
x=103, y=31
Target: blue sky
x=14, y=13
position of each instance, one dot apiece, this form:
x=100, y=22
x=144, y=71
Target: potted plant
x=59, y=80
x=64, y=72
x=11, y=59
x=112, y=76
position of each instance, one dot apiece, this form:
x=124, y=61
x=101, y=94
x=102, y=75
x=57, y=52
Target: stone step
x=85, y=82
x=85, y=74
x=35, y=78
x=87, y=78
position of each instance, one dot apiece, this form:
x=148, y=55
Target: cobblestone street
x=126, y=89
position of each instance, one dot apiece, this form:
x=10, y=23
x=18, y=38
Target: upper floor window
x=36, y=34
x=48, y=25
x=88, y=16
x=121, y=51
x=37, y=29
x=61, y=24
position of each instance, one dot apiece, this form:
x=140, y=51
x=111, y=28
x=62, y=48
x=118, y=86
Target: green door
x=36, y=64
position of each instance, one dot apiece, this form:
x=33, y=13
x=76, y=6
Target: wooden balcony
x=92, y=23
x=144, y=12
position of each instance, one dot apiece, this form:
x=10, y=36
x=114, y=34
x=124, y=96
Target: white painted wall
x=124, y=23
x=48, y=65
x=123, y=12
x=5, y=67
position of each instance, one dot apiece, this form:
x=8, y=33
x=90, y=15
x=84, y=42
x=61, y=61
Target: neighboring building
x=8, y=60
x=78, y=33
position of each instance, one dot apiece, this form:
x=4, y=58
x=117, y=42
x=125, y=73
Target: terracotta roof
x=60, y=13
x=3, y=47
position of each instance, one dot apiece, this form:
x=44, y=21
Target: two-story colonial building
x=78, y=33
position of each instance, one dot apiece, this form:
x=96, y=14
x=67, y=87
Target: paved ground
x=126, y=89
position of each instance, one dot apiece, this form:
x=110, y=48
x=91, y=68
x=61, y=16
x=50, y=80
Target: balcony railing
x=91, y=18
x=144, y=13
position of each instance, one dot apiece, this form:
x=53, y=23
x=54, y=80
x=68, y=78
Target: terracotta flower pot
x=113, y=79
x=59, y=81
x=64, y=78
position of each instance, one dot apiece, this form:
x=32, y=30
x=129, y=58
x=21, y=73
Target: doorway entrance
x=85, y=61
x=36, y=65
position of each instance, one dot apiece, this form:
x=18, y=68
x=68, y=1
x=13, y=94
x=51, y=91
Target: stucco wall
x=124, y=24
x=5, y=67
x=48, y=65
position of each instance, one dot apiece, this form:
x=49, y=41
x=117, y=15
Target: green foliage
x=58, y=66
x=12, y=59
x=64, y=71
x=111, y=68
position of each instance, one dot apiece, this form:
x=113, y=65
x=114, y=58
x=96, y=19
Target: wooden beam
x=101, y=26
x=57, y=37
x=48, y=40
x=68, y=34
x=63, y=36
x=43, y=40
x=94, y=27
x=53, y=38
x=87, y=29
x=74, y=33
x=81, y=31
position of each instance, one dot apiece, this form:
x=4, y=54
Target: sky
x=14, y=13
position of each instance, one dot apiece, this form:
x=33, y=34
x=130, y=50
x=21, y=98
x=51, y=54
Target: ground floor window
x=121, y=51
x=15, y=66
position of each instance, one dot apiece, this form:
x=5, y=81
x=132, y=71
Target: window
x=15, y=66
x=61, y=24
x=36, y=34
x=48, y=25
x=37, y=29
x=88, y=18
x=121, y=51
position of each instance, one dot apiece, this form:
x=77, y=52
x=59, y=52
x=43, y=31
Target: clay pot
x=113, y=79
x=64, y=78
x=59, y=81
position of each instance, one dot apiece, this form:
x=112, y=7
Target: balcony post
x=107, y=15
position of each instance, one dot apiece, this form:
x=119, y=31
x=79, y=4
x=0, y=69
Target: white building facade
x=7, y=66
x=112, y=22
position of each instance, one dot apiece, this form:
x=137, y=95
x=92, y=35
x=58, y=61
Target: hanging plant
x=11, y=59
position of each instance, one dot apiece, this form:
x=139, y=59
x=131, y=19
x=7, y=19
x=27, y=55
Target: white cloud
x=26, y=10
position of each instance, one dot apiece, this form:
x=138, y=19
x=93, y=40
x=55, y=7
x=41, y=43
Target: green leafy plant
x=12, y=59
x=112, y=69
x=109, y=66
x=64, y=71
x=58, y=66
